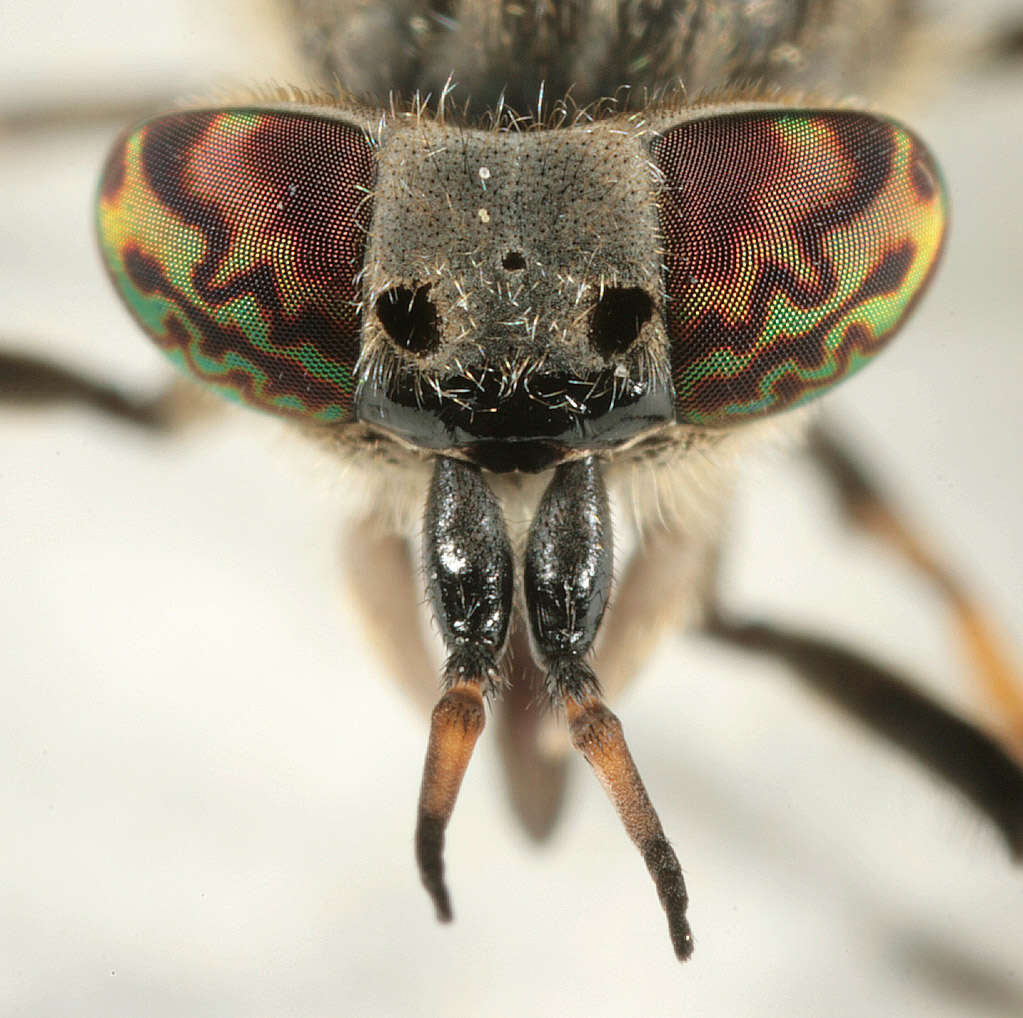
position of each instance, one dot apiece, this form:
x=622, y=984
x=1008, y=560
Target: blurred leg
x=866, y=506
x=951, y=748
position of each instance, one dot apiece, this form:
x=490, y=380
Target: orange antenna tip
x=597, y=734
x=455, y=726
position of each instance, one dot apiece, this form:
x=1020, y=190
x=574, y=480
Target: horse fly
x=529, y=263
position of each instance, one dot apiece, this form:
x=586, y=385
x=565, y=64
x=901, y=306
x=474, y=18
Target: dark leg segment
x=31, y=381
x=567, y=583
x=952, y=748
x=468, y=564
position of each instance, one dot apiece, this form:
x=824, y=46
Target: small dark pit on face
x=617, y=319
x=513, y=261
x=410, y=319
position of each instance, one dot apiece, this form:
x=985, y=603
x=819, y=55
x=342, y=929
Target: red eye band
x=236, y=238
x=796, y=244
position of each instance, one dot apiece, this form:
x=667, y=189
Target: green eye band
x=236, y=239
x=796, y=244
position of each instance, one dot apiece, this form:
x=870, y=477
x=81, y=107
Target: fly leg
x=33, y=382
x=953, y=749
x=866, y=506
x=567, y=581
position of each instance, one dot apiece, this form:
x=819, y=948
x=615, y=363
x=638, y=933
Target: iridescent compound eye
x=796, y=244
x=236, y=238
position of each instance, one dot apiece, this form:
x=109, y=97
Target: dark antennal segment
x=567, y=581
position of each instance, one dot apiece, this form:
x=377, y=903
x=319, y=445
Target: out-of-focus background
x=209, y=786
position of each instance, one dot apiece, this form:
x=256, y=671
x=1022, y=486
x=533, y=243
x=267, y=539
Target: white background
x=208, y=786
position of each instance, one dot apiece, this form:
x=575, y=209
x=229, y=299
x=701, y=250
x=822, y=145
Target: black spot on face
x=619, y=316
x=410, y=319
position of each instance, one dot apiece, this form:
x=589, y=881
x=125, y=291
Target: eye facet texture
x=796, y=244
x=236, y=238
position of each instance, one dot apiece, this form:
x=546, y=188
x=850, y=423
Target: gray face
x=515, y=279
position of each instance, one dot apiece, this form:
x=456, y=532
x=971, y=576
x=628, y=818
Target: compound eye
x=236, y=238
x=796, y=242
